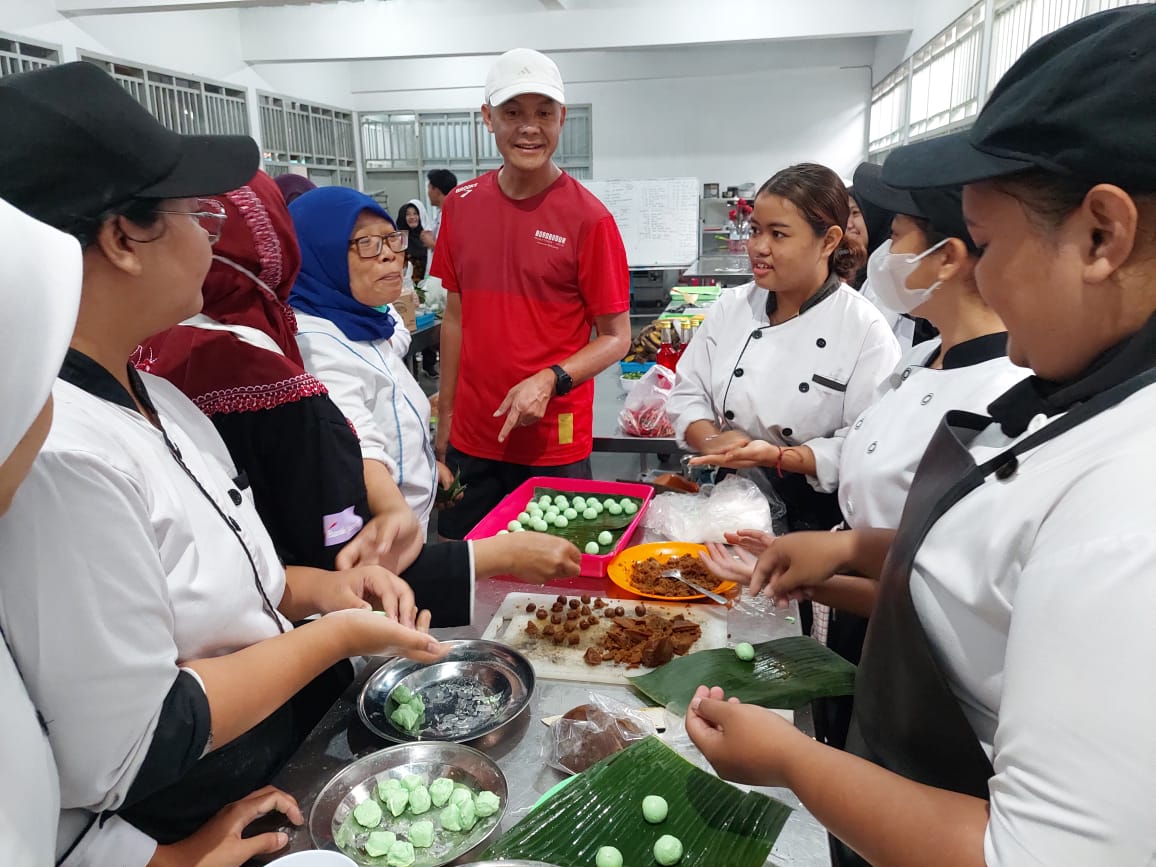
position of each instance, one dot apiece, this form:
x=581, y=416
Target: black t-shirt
x=304, y=463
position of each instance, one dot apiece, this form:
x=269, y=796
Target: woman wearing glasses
x=352, y=263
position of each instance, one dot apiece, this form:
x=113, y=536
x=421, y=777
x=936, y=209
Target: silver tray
x=478, y=688
x=355, y=783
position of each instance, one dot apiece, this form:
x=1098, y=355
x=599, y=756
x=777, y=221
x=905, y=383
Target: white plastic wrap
x=735, y=503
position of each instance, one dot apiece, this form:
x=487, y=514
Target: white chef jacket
x=135, y=572
x=797, y=383
x=1037, y=593
x=402, y=338
x=374, y=388
x=883, y=447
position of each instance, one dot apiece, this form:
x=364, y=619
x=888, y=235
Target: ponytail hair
x=823, y=201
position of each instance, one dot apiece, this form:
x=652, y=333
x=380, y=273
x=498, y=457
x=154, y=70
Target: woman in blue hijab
x=352, y=264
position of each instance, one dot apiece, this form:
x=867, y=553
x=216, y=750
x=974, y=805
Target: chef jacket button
x=233, y=523
x=1008, y=469
x=872, y=447
x=738, y=371
x=757, y=334
x=850, y=507
x=235, y=496
x=820, y=343
x=787, y=431
x=858, y=424
x=729, y=415
x=927, y=398
x=906, y=373
x=804, y=387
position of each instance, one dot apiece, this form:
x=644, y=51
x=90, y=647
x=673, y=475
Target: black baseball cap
x=942, y=207
x=1080, y=102
x=76, y=145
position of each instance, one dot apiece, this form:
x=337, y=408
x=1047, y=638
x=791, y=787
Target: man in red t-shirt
x=531, y=262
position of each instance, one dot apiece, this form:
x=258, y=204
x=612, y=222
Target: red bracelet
x=779, y=462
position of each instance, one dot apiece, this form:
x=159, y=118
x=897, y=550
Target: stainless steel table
x=340, y=737
x=727, y=267
x=608, y=436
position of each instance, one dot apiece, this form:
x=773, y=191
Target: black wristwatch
x=562, y=381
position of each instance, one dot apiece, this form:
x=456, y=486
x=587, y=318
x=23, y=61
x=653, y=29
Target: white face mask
x=888, y=273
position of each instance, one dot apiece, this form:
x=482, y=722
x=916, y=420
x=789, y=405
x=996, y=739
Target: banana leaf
x=580, y=531
x=785, y=673
x=716, y=822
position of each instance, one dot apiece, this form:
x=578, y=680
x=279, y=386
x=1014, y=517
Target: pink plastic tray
x=593, y=565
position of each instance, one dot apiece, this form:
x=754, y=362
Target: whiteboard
x=658, y=218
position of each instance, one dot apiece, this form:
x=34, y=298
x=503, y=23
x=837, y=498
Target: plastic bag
x=644, y=414
x=735, y=503
x=596, y=730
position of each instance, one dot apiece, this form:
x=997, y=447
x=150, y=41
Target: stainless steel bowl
x=478, y=688
x=356, y=782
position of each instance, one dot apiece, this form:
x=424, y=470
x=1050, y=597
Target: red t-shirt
x=532, y=275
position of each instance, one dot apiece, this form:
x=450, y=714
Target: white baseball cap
x=524, y=70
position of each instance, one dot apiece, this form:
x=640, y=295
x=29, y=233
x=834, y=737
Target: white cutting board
x=563, y=662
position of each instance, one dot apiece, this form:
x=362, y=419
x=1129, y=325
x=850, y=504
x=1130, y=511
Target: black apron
x=906, y=717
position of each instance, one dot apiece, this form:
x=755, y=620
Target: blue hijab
x=324, y=220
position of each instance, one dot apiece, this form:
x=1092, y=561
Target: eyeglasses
x=370, y=246
x=211, y=217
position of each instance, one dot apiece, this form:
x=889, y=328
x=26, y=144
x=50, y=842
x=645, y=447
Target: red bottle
x=667, y=354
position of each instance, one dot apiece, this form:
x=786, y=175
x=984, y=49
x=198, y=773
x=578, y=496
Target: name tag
x=565, y=428
x=342, y=526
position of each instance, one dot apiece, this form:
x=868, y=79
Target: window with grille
x=20, y=55
x=889, y=110
x=318, y=137
x=945, y=76
x=190, y=106
x=459, y=141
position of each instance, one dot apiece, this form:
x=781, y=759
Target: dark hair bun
x=847, y=259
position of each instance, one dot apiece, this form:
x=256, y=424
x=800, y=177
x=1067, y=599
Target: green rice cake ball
x=614, y=509
x=440, y=791
x=654, y=809
x=560, y=501
x=629, y=507
x=413, y=781
x=401, y=694
x=450, y=819
x=419, y=801
x=504, y=532
x=368, y=813
x=745, y=651
x=540, y=526
x=379, y=842
x=487, y=803
x=570, y=514
x=592, y=548
x=560, y=522
x=544, y=500
x=607, y=856
x=397, y=801
x=578, y=503
x=513, y=525
x=401, y=854
x=421, y=834
x=667, y=850
x=590, y=514
x=384, y=787
x=460, y=795
x=468, y=814
x=605, y=538
x=523, y=518
x=607, y=503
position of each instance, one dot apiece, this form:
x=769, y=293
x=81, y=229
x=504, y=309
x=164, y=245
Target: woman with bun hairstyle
x=791, y=358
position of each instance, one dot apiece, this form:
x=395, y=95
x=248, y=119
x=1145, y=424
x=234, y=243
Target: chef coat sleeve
x=442, y=578
x=402, y=338
x=113, y=841
x=1075, y=746
x=92, y=626
x=877, y=359
x=343, y=372
x=691, y=398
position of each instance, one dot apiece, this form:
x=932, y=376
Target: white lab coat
x=371, y=384
x=798, y=383
x=883, y=447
